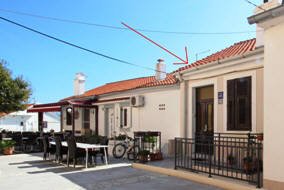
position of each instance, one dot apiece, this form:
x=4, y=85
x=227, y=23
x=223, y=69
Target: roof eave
x=269, y=14
x=250, y=53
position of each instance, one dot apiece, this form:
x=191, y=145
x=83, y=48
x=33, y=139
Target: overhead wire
x=121, y=28
x=79, y=47
x=255, y=5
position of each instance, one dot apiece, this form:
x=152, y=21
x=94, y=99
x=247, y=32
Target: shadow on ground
x=34, y=173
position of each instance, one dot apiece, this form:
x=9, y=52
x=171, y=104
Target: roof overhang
x=45, y=109
x=266, y=15
x=181, y=74
x=56, y=107
x=112, y=100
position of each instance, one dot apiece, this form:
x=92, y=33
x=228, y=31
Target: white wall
x=148, y=117
x=12, y=121
x=78, y=121
x=273, y=101
x=218, y=75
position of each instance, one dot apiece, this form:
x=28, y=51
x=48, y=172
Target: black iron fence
x=236, y=156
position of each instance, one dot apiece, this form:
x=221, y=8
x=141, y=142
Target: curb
x=193, y=177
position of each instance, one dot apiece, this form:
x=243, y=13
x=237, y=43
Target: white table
x=86, y=147
x=6, y=139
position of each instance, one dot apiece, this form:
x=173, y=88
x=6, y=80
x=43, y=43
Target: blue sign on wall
x=220, y=97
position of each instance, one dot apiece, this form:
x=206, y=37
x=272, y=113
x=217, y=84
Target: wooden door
x=204, y=119
x=204, y=125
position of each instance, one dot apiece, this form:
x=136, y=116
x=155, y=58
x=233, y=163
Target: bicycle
x=127, y=146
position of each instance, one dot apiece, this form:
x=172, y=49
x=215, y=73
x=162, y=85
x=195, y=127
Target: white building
x=141, y=104
x=23, y=121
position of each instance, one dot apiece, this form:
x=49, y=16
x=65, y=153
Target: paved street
x=29, y=171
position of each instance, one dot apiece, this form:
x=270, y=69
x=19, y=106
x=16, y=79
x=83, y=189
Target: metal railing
x=228, y=155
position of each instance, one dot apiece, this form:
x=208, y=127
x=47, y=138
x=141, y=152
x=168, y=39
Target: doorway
x=204, y=132
x=109, y=122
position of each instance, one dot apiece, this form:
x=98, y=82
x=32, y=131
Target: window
x=86, y=120
x=239, y=104
x=68, y=118
x=123, y=117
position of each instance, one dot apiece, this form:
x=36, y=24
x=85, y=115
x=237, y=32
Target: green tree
x=14, y=93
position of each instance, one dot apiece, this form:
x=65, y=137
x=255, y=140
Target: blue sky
x=50, y=66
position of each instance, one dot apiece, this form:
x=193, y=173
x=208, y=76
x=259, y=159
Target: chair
x=60, y=151
x=29, y=141
x=104, y=141
x=101, y=151
x=46, y=148
x=17, y=137
x=93, y=140
x=73, y=152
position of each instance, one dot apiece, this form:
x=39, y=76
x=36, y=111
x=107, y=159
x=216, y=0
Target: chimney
x=161, y=70
x=79, y=84
x=264, y=7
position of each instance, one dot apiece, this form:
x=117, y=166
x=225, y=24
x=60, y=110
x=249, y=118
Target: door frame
x=192, y=104
x=107, y=129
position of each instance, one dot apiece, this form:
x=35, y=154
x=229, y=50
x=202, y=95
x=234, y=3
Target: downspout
x=73, y=120
x=185, y=109
x=184, y=102
x=61, y=119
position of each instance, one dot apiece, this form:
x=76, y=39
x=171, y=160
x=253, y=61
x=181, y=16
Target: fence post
x=258, y=166
x=175, y=153
x=219, y=141
x=210, y=160
x=134, y=151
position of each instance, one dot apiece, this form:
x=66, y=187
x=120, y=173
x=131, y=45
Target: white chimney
x=161, y=70
x=79, y=84
x=259, y=30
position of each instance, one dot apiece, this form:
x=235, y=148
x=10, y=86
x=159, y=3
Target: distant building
x=23, y=121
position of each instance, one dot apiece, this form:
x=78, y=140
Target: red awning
x=51, y=107
x=56, y=107
x=45, y=109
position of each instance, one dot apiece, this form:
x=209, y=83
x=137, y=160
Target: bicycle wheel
x=130, y=155
x=118, y=150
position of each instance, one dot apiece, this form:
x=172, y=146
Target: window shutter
x=86, y=118
x=243, y=103
x=231, y=104
x=68, y=118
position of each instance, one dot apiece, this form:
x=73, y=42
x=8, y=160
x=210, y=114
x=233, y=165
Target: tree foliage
x=14, y=93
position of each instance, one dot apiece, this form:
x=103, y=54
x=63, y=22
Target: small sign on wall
x=162, y=106
x=220, y=97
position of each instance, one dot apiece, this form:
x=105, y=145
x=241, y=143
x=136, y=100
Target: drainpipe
x=185, y=109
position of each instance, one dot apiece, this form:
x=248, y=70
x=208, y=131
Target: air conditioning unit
x=137, y=101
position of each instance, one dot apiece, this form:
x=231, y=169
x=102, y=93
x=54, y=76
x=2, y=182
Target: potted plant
x=7, y=147
x=259, y=137
x=231, y=159
x=248, y=164
x=152, y=156
x=159, y=156
x=143, y=155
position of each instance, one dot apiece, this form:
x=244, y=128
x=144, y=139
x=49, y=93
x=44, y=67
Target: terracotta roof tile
x=127, y=85
x=236, y=49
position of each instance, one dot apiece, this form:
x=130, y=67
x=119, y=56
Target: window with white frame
x=239, y=104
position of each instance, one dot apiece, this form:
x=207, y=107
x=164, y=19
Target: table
x=86, y=147
x=6, y=139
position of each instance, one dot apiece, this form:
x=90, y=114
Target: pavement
x=29, y=171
